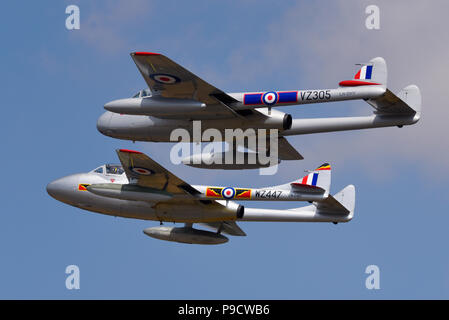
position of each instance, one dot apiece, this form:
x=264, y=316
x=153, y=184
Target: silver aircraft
x=177, y=98
x=142, y=189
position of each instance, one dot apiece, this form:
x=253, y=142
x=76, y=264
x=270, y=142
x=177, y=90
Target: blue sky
x=54, y=83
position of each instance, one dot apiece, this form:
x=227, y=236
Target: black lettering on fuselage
x=268, y=194
x=311, y=95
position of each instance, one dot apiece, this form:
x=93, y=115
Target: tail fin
x=407, y=102
x=320, y=178
x=372, y=73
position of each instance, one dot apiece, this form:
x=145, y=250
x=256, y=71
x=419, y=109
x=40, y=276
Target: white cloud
x=325, y=41
x=105, y=27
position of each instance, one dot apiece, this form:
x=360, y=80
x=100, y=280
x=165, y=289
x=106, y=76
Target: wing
x=227, y=227
x=168, y=79
x=145, y=172
x=285, y=150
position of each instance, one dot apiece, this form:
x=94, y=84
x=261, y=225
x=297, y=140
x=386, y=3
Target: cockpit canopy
x=142, y=93
x=109, y=169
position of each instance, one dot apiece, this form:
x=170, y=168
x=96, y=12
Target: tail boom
x=338, y=208
x=318, y=125
x=305, y=214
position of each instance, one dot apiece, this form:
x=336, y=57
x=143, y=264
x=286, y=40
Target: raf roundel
x=164, y=78
x=228, y=193
x=270, y=98
x=141, y=171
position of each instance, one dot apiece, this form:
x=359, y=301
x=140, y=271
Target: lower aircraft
x=140, y=188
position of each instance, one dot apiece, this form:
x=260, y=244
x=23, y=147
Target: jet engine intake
x=270, y=119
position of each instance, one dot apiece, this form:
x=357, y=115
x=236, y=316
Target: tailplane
x=342, y=203
x=337, y=208
x=406, y=102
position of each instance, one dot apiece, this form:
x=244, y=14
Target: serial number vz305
x=311, y=95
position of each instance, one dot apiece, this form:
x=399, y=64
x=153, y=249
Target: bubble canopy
x=114, y=169
x=142, y=93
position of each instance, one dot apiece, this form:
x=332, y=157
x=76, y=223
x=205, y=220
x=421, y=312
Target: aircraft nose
x=103, y=123
x=62, y=189
x=53, y=188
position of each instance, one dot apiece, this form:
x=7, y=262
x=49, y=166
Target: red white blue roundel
x=141, y=171
x=270, y=98
x=228, y=193
x=164, y=78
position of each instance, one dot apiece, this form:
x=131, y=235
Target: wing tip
x=143, y=53
x=129, y=151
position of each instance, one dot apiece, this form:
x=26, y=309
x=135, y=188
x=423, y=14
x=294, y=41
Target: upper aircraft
x=176, y=98
x=142, y=189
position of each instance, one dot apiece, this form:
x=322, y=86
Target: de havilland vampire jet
x=142, y=189
x=177, y=98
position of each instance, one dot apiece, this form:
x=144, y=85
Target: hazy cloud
x=107, y=28
x=326, y=43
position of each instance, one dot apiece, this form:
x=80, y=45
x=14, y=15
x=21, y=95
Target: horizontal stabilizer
x=305, y=188
x=406, y=102
x=342, y=203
